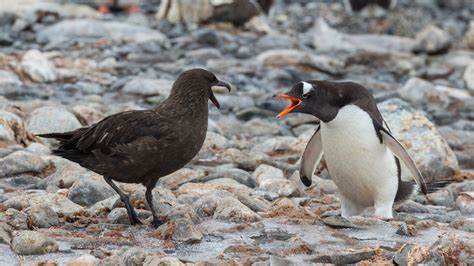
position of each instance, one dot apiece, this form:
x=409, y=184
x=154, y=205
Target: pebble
x=148, y=87
x=51, y=119
x=84, y=260
x=432, y=40
x=9, y=82
x=37, y=67
x=21, y=162
x=87, y=192
x=41, y=217
x=181, y=230
x=33, y=243
x=468, y=76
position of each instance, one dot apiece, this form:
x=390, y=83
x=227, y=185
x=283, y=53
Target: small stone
x=148, y=87
x=179, y=230
x=5, y=233
x=33, y=243
x=21, y=162
x=84, y=260
x=465, y=224
x=432, y=40
x=87, y=192
x=279, y=187
x=120, y=216
x=338, y=222
x=155, y=260
x=41, y=217
x=9, y=82
x=230, y=209
x=38, y=148
x=50, y=119
x=206, y=37
x=264, y=172
x=465, y=202
x=410, y=254
x=37, y=67
x=406, y=230
x=344, y=257
x=469, y=37
x=16, y=218
x=468, y=76
x=215, y=141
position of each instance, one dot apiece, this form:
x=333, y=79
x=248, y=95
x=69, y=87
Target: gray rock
x=50, y=119
x=203, y=54
x=350, y=257
x=148, y=87
x=154, y=260
x=58, y=202
x=182, y=211
x=120, y=216
x=221, y=205
x=181, y=230
x=278, y=187
x=5, y=233
x=84, y=260
x=420, y=92
x=206, y=37
x=105, y=205
x=239, y=175
x=465, y=202
x=38, y=148
x=21, y=162
x=11, y=126
x=37, y=67
x=285, y=58
x=338, y=222
x=432, y=40
x=95, y=29
x=465, y=224
x=215, y=141
x=428, y=149
x=16, y=219
x=41, y=217
x=264, y=172
x=410, y=206
x=259, y=127
x=468, y=76
x=66, y=174
x=274, y=41
x=452, y=243
x=9, y=82
x=406, y=230
x=33, y=243
x=441, y=198
x=87, y=192
x=327, y=39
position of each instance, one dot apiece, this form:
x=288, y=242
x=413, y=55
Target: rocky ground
x=240, y=200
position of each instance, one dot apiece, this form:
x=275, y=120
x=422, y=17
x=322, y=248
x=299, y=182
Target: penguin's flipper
x=402, y=154
x=311, y=157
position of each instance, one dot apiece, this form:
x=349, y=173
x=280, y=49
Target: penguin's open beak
x=294, y=101
x=212, y=97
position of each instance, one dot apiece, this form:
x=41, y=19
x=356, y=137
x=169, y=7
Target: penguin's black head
x=197, y=82
x=323, y=99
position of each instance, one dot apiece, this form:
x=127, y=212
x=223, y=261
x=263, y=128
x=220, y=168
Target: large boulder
x=429, y=150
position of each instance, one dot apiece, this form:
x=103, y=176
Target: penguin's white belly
x=363, y=169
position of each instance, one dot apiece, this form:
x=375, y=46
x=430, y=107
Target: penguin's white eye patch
x=307, y=88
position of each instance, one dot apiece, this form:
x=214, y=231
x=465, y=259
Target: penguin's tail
x=434, y=186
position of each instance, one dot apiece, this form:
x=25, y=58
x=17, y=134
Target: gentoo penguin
x=142, y=146
x=367, y=164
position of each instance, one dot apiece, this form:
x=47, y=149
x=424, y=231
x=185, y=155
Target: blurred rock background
x=66, y=64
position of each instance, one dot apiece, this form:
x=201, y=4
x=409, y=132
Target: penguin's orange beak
x=293, y=103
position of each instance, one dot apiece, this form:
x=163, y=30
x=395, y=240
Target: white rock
x=468, y=76
x=84, y=260
x=9, y=82
x=429, y=150
x=264, y=172
x=51, y=119
x=147, y=87
x=37, y=67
